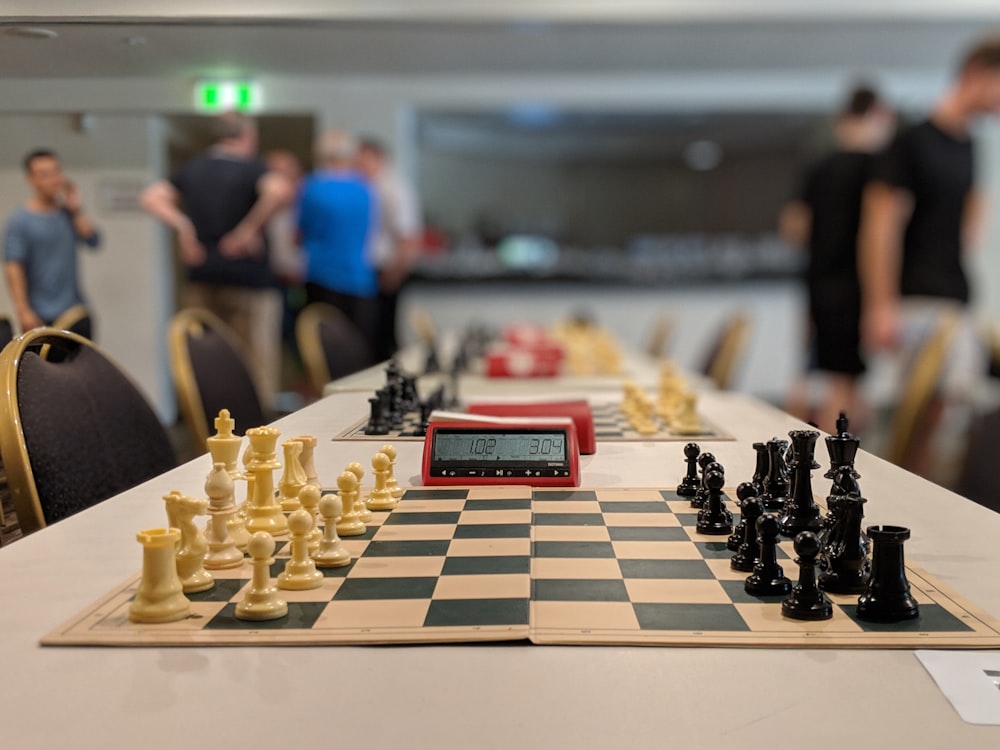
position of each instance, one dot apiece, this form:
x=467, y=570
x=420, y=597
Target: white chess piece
x=181, y=512
x=308, y=459
x=390, y=481
x=360, y=506
x=159, y=597
x=381, y=497
x=331, y=553
x=309, y=496
x=300, y=571
x=261, y=600
x=349, y=524
x=264, y=513
x=222, y=551
x=292, y=479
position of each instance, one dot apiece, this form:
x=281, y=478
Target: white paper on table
x=969, y=679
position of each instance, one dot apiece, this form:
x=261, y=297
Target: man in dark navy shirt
x=219, y=204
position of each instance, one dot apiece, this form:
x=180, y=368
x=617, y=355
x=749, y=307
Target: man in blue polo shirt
x=40, y=242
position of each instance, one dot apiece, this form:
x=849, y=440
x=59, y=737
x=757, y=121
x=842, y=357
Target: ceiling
x=399, y=46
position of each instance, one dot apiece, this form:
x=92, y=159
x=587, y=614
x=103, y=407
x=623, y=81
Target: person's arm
x=884, y=213
x=83, y=227
x=274, y=192
x=162, y=200
x=17, y=283
x=795, y=223
x=973, y=221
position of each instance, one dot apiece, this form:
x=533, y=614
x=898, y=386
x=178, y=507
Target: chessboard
x=553, y=566
x=610, y=425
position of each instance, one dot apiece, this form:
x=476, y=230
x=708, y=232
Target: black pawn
x=844, y=551
x=743, y=493
x=807, y=602
x=425, y=418
x=376, y=422
x=887, y=596
x=701, y=494
x=689, y=484
x=776, y=482
x=767, y=579
x=715, y=519
x=801, y=511
x=749, y=552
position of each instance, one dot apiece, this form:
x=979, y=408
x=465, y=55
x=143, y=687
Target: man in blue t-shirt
x=40, y=242
x=336, y=216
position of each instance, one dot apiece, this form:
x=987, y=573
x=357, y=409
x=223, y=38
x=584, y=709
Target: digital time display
x=519, y=448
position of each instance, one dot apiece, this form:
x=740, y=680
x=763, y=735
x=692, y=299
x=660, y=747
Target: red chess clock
x=534, y=452
x=578, y=410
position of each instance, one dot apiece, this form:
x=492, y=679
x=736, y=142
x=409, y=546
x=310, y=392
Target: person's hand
x=71, y=197
x=192, y=252
x=241, y=242
x=28, y=319
x=391, y=278
x=880, y=327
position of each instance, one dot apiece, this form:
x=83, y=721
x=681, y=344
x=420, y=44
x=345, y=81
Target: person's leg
x=262, y=313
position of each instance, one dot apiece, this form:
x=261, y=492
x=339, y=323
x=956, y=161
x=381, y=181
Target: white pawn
x=359, y=505
x=381, y=497
x=261, y=601
x=309, y=496
x=687, y=422
x=390, y=481
x=300, y=571
x=349, y=523
x=331, y=552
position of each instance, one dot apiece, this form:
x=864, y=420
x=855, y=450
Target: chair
x=76, y=320
x=73, y=432
x=913, y=413
x=6, y=331
x=659, y=338
x=210, y=374
x=331, y=346
x=726, y=353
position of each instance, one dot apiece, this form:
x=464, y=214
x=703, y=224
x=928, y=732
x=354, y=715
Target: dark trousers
x=363, y=312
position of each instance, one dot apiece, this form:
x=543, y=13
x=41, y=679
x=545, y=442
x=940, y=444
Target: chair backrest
x=660, y=335
x=726, y=353
x=6, y=331
x=919, y=391
x=76, y=320
x=73, y=432
x=210, y=374
x=331, y=346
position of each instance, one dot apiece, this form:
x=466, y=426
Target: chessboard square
x=495, y=517
x=656, y=551
x=564, y=495
x=355, y=546
x=410, y=548
x=629, y=494
x=499, y=494
x=681, y=505
x=665, y=569
x=489, y=547
x=578, y=590
x=487, y=565
x=690, y=617
x=671, y=497
x=424, y=506
x=301, y=616
x=584, y=616
x=642, y=519
x=350, y=615
x=476, y=612
x=494, y=531
x=397, y=567
x=573, y=549
x=738, y=593
x=223, y=590
x=688, y=518
x=715, y=549
x=497, y=586
x=569, y=519
x=648, y=534
x=405, y=517
x=570, y=534
x=932, y=618
x=767, y=617
x=674, y=591
x=722, y=570
x=322, y=593
x=499, y=504
x=432, y=493
x=634, y=506
x=413, y=533
x=541, y=507
x=566, y=568
x=386, y=588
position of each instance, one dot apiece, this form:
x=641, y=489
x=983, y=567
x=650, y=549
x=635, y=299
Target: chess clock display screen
x=487, y=454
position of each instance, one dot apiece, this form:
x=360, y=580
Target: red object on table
x=578, y=410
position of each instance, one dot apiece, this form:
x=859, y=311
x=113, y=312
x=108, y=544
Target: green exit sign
x=227, y=95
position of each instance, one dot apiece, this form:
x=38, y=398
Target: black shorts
x=836, y=319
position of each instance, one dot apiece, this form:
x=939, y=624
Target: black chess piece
x=791, y=462
x=887, y=596
x=425, y=418
x=760, y=470
x=767, y=579
x=431, y=364
x=801, y=512
x=376, y=421
x=701, y=494
x=453, y=401
x=749, y=551
x=775, y=493
x=411, y=396
x=843, y=448
x=715, y=518
x=844, y=558
x=807, y=602
x=743, y=493
x=690, y=483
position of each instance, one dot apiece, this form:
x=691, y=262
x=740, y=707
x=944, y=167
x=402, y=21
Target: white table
x=481, y=696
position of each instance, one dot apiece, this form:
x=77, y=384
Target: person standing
x=396, y=240
x=919, y=217
x=337, y=213
x=825, y=218
x=40, y=241
x=219, y=205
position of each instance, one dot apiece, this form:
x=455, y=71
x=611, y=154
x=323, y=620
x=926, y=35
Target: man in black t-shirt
x=219, y=204
x=918, y=217
x=825, y=218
